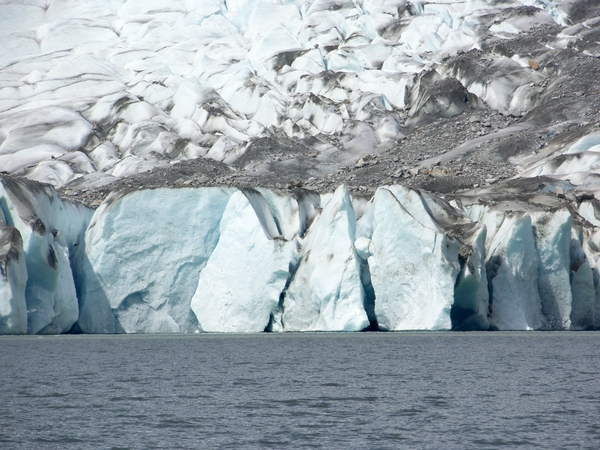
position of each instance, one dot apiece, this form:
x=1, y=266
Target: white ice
x=239, y=289
x=144, y=252
x=326, y=292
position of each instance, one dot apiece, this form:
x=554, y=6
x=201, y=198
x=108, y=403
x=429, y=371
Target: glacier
x=13, y=308
x=171, y=235
x=300, y=165
x=252, y=259
x=95, y=93
x=43, y=248
x=240, y=286
x=332, y=299
x=410, y=262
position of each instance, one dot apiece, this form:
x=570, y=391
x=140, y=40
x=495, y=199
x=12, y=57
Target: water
x=362, y=390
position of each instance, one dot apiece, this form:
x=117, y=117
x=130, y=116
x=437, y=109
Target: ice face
x=583, y=286
x=326, y=292
x=589, y=241
x=144, y=252
x=51, y=232
x=512, y=269
x=470, y=309
x=13, y=279
x=239, y=289
x=413, y=269
x=552, y=230
x=231, y=260
x=463, y=264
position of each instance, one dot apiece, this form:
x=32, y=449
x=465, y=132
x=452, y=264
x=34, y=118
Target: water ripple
x=333, y=391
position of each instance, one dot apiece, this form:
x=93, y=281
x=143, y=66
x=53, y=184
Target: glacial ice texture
x=239, y=289
x=413, y=269
x=144, y=252
x=103, y=91
x=332, y=299
x=249, y=260
x=42, y=247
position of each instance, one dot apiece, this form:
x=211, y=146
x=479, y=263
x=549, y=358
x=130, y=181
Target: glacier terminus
x=241, y=166
x=249, y=260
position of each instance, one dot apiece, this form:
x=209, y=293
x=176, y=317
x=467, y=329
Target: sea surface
x=330, y=391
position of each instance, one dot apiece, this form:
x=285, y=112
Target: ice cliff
x=41, y=258
x=249, y=260
x=464, y=136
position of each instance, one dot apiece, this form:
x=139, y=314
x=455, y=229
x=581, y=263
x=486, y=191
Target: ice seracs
x=326, y=291
x=405, y=226
x=144, y=252
x=51, y=232
x=412, y=261
x=160, y=82
x=561, y=256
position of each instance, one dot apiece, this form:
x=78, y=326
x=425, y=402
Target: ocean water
x=330, y=391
